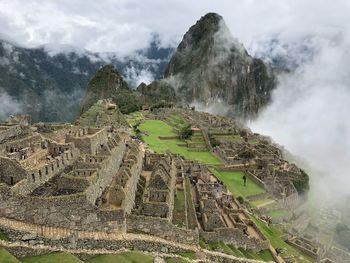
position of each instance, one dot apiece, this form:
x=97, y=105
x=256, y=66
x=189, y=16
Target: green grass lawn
x=127, y=257
x=6, y=257
x=152, y=129
x=234, y=182
x=278, y=213
x=56, y=257
x=176, y=120
x=264, y=255
x=134, y=117
x=179, y=216
x=274, y=235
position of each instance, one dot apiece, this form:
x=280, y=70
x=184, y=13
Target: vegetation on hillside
x=152, y=130
x=126, y=257
x=301, y=183
x=185, y=132
x=99, y=115
x=234, y=182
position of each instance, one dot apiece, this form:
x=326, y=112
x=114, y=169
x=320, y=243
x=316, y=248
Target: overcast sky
x=125, y=25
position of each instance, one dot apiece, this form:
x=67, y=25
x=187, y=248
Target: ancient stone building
x=158, y=195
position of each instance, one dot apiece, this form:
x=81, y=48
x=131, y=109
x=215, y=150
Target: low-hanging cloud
x=309, y=115
x=8, y=105
x=125, y=26
x=135, y=77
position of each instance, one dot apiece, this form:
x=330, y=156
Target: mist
x=309, y=115
x=8, y=105
x=214, y=106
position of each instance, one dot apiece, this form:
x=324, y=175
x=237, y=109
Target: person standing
x=244, y=180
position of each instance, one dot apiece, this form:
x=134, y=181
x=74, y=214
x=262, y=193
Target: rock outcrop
x=210, y=66
x=109, y=83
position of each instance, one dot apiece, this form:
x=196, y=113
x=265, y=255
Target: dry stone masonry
x=94, y=186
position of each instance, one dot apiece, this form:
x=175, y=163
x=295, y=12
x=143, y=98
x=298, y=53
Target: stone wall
x=89, y=143
x=235, y=237
x=14, y=145
x=256, y=180
x=72, y=183
x=70, y=211
x=75, y=211
x=35, y=178
x=161, y=227
x=290, y=202
x=12, y=131
x=106, y=173
x=131, y=185
x=56, y=148
x=10, y=171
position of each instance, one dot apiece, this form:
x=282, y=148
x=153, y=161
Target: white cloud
x=124, y=26
x=309, y=115
x=136, y=76
x=8, y=105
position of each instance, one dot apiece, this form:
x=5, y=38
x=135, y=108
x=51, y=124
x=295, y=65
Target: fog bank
x=309, y=115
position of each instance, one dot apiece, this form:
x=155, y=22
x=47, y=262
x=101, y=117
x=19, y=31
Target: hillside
x=210, y=66
x=39, y=80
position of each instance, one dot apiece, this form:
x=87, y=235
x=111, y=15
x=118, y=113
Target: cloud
x=215, y=106
x=309, y=115
x=136, y=76
x=8, y=105
x=125, y=26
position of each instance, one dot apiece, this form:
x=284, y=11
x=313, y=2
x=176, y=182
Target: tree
x=301, y=182
x=213, y=141
x=185, y=132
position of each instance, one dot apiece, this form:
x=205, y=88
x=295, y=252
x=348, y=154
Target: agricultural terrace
x=61, y=257
x=134, y=118
x=127, y=257
x=234, y=182
x=263, y=255
x=153, y=129
x=274, y=234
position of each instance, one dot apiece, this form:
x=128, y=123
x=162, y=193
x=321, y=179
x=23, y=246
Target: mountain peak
x=211, y=17
x=210, y=65
x=207, y=26
x=104, y=84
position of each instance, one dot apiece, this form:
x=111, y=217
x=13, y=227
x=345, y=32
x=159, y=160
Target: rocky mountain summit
x=209, y=66
x=109, y=83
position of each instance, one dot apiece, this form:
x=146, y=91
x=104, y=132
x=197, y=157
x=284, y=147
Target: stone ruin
x=254, y=154
x=83, y=178
x=58, y=183
x=19, y=119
